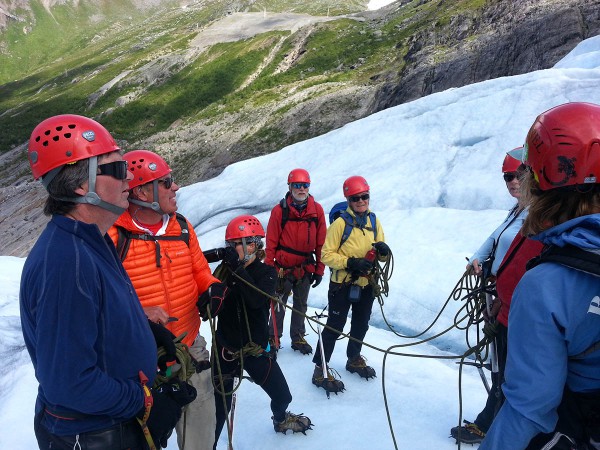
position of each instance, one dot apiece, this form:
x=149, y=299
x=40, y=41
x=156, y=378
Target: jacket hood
x=582, y=232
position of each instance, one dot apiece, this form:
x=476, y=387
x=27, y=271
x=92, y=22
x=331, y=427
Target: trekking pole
x=232, y=412
x=479, y=367
x=274, y=318
x=323, y=362
x=493, y=352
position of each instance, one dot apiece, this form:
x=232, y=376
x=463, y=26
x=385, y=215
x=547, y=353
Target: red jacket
x=303, y=235
x=511, y=270
x=175, y=286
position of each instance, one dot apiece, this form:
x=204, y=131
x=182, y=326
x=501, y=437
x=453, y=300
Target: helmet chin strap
x=91, y=197
x=154, y=206
x=247, y=256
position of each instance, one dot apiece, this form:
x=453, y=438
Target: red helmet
x=146, y=166
x=65, y=139
x=243, y=227
x=563, y=146
x=355, y=185
x=298, y=176
x=512, y=161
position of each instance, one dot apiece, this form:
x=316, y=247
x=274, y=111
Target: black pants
x=124, y=436
x=495, y=397
x=339, y=306
x=264, y=371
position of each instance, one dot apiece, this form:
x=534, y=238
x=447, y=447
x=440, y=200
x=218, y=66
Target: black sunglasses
x=508, y=177
x=300, y=185
x=356, y=198
x=168, y=182
x=115, y=169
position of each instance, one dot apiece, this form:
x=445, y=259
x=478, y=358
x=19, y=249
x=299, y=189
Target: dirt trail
x=237, y=26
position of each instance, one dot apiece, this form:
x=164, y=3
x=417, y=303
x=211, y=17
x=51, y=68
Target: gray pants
x=300, y=289
x=196, y=428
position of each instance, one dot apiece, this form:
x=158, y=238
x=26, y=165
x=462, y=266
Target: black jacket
x=232, y=329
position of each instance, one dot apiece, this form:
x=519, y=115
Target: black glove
x=231, y=258
x=212, y=298
x=382, y=248
x=165, y=339
x=359, y=265
x=168, y=399
x=490, y=329
x=315, y=279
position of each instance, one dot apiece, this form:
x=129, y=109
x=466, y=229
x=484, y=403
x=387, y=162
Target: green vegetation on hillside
x=86, y=60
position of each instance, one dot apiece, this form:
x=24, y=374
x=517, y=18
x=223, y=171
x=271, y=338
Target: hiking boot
x=331, y=384
x=358, y=365
x=469, y=433
x=295, y=422
x=302, y=346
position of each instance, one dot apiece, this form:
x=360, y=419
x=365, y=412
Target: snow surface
x=434, y=170
x=376, y=4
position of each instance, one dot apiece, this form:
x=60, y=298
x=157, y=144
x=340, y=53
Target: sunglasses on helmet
x=300, y=185
x=115, y=169
x=168, y=182
x=356, y=198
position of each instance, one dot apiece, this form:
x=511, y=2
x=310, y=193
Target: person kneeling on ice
x=352, y=243
x=242, y=336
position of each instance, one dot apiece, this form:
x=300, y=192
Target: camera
x=214, y=254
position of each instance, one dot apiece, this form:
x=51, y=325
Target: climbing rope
x=469, y=289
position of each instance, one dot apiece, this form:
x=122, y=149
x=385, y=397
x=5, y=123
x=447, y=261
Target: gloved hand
x=231, y=258
x=165, y=339
x=168, y=400
x=359, y=265
x=382, y=248
x=490, y=330
x=315, y=279
x=212, y=298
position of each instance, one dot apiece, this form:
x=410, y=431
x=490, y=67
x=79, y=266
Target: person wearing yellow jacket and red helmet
x=349, y=284
x=170, y=273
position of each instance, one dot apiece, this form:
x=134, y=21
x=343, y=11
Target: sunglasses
x=168, y=182
x=300, y=185
x=115, y=169
x=508, y=177
x=356, y=198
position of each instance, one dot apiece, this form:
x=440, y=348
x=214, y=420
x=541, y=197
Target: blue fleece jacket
x=84, y=328
x=555, y=314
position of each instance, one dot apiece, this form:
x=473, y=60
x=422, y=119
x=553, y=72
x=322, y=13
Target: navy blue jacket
x=84, y=328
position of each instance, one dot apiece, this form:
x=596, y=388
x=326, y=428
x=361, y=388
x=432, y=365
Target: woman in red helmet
x=242, y=336
x=487, y=259
x=349, y=238
x=552, y=387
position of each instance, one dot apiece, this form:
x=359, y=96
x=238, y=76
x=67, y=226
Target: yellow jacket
x=357, y=246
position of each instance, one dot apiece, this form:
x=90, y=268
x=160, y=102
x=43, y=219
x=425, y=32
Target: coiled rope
x=468, y=289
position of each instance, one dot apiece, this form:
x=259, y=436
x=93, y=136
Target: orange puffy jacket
x=175, y=286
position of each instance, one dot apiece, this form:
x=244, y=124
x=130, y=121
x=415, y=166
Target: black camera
x=214, y=254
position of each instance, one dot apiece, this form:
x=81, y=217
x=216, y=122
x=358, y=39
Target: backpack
x=285, y=218
x=125, y=236
x=339, y=210
x=575, y=258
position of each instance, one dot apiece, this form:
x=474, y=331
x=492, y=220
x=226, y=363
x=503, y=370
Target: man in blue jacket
x=93, y=351
x=552, y=386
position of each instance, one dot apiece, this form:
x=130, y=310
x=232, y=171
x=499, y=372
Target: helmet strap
x=154, y=206
x=91, y=197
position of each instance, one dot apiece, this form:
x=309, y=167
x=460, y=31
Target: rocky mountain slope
x=212, y=82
